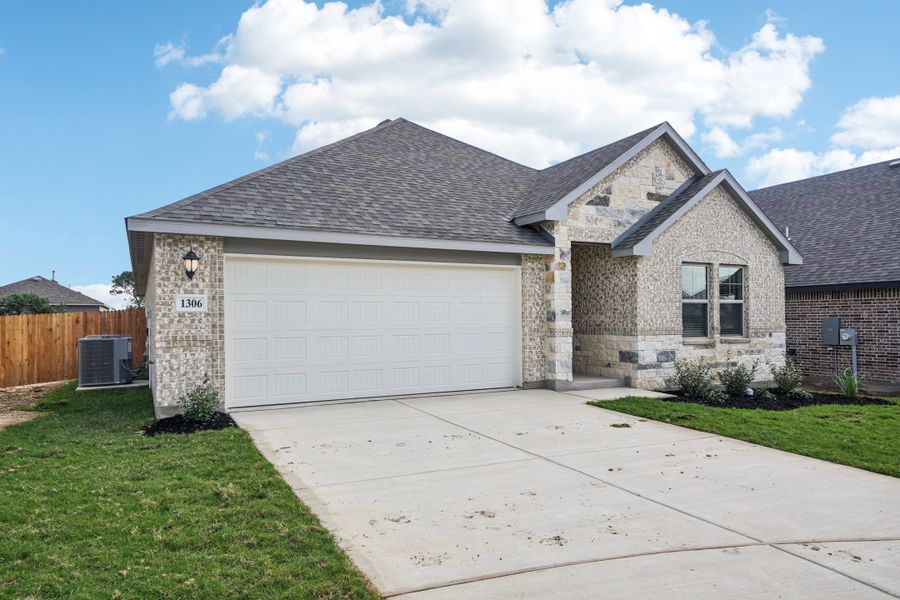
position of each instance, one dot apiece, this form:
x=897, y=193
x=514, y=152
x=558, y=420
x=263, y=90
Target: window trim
x=743, y=269
x=706, y=329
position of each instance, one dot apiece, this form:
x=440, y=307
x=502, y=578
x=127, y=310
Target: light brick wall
x=874, y=313
x=627, y=315
x=186, y=347
x=533, y=318
x=600, y=215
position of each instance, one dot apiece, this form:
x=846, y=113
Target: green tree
x=25, y=304
x=123, y=283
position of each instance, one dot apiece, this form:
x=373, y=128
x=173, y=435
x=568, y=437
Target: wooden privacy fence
x=41, y=348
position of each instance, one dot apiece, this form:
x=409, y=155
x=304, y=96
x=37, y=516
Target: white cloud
x=724, y=146
x=514, y=76
x=721, y=143
x=238, y=91
x=870, y=123
x=163, y=54
x=867, y=132
x=789, y=164
x=170, y=52
x=100, y=291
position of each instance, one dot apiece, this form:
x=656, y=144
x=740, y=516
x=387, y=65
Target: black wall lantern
x=191, y=263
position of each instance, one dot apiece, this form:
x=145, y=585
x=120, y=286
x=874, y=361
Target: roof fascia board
x=788, y=254
x=299, y=235
x=559, y=210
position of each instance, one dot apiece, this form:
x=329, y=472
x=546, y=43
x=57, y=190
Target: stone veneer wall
x=533, y=317
x=186, y=347
x=874, y=313
x=716, y=231
x=600, y=215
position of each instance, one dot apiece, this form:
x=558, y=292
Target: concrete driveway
x=533, y=494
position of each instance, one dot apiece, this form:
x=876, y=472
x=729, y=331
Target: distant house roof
x=845, y=224
x=54, y=293
x=637, y=240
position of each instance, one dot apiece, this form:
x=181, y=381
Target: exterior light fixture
x=191, y=263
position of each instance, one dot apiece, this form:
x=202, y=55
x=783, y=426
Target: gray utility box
x=104, y=360
x=848, y=336
x=831, y=331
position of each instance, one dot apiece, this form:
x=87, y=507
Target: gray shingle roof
x=845, y=224
x=554, y=182
x=396, y=179
x=54, y=293
x=662, y=211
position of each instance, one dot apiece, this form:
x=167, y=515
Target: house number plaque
x=190, y=303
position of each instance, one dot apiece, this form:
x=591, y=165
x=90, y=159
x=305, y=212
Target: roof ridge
x=823, y=175
x=265, y=170
x=467, y=144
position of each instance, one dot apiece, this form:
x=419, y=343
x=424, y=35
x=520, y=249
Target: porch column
x=558, y=334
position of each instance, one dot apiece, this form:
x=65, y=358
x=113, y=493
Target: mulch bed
x=782, y=402
x=178, y=424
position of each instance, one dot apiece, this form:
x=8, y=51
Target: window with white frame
x=694, y=300
x=731, y=300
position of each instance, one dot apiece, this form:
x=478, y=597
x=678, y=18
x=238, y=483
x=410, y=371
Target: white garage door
x=306, y=330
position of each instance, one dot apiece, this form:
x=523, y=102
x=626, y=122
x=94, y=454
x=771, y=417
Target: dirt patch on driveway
x=17, y=403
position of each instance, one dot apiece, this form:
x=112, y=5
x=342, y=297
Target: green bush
x=799, y=394
x=849, y=383
x=199, y=404
x=736, y=379
x=693, y=378
x=26, y=304
x=786, y=378
x=764, y=395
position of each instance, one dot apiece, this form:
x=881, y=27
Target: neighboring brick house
x=402, y=261
x=846, y=225
x=58, y=296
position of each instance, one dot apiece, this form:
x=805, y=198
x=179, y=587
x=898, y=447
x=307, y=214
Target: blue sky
x=92, y=133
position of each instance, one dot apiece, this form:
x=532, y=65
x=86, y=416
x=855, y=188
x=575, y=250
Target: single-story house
x=846, y=225
x=402, y=261
x=58, y=296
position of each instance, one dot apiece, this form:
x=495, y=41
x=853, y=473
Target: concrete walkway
x=533, y=494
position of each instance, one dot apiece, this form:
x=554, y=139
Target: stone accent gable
x=619, y=200
x=715, y=231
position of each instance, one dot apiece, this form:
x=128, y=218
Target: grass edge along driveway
x=858, y=436
x=91, y=509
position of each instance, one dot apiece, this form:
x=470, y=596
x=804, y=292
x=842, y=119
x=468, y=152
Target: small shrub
x=717, y=396
x=849, y=383
x=693, y=378
x=736, y=379
x=786, y=378
x=199, y=404
x=764, y=395
x=799, y=394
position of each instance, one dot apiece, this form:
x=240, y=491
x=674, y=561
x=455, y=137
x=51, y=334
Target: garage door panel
x=303, y=331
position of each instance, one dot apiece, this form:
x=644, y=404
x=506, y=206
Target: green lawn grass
x=867, y=437
x=91, y=509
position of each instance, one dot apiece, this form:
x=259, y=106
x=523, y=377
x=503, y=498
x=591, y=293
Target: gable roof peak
x=557, y=186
